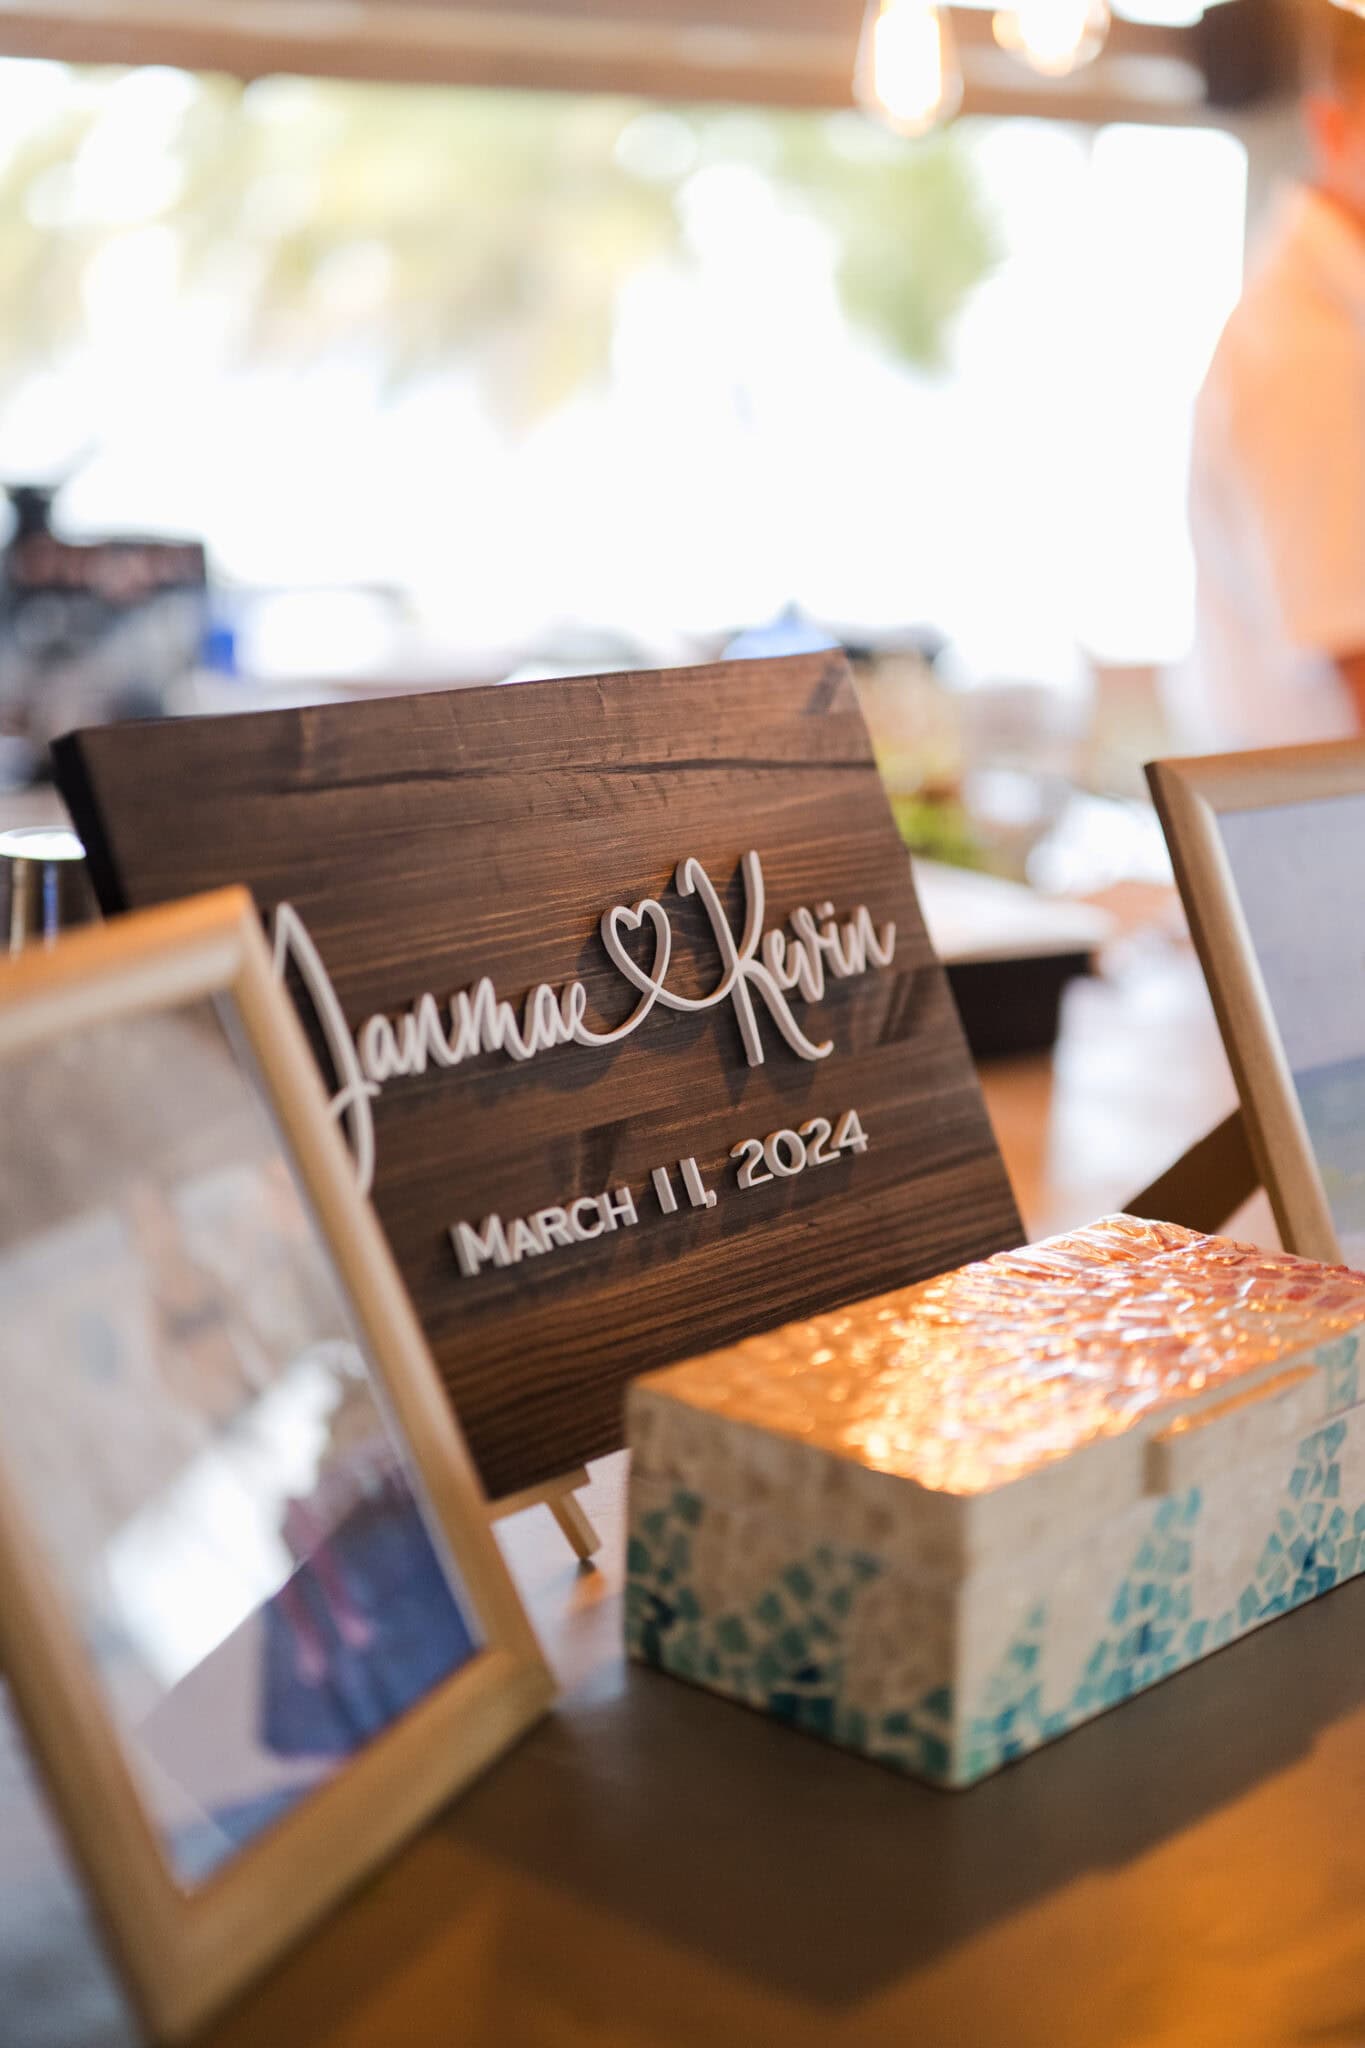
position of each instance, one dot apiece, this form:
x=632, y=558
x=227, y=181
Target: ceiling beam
x=1145, y=73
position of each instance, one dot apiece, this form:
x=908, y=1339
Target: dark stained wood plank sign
x=623, y=996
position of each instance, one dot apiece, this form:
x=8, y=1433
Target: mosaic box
x=945, y=1526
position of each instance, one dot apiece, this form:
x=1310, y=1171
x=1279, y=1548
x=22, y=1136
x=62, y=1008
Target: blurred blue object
x=218, y=651
x=791, y=632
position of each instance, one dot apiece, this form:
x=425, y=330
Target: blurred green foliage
x=912, y=229
x=939, y=828
x=432, y=224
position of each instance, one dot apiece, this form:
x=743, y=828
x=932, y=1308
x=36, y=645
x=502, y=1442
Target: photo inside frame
x=196, y=1436
x=1296, y=868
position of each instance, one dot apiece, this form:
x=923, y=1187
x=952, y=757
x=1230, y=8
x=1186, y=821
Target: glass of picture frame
x=1267, y=849
x=253, y=1618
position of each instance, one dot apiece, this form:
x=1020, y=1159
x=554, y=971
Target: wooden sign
x=623, y=996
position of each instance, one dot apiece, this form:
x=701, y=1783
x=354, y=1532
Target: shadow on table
x=826, y=1877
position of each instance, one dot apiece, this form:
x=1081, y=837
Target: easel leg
x=560, y=1497
x=568, y=1511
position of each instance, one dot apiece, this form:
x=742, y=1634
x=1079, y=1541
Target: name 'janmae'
x=756, y=967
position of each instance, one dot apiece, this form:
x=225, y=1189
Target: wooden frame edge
x=185, y=1955
x=1190, y=796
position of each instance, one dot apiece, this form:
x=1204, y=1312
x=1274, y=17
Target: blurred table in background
x=31, y=807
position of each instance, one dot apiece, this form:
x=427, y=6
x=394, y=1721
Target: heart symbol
x=614, y=922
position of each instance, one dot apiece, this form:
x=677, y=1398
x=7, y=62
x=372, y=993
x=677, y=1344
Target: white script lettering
x=759, y=974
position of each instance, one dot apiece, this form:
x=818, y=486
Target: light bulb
x=1054, y=36
x=908, y=74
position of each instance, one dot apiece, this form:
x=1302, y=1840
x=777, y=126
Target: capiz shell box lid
x=1017, y=1400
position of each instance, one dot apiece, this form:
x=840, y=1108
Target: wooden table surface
x=654, y=1868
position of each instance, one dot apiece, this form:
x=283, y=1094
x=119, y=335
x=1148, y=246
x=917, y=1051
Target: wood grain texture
x=433, y=839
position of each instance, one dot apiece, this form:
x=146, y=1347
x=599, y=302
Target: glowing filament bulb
x=1054, y=36
x=908, y=73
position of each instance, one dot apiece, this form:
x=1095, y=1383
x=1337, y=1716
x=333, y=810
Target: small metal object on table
x=44, y=885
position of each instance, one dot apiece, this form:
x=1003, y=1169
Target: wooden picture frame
x=186, y=1947
x=1254, y=957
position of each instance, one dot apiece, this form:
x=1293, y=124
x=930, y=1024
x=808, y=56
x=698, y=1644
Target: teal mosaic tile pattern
x=1340, y=1363
x=787, y=1651
x=1151, y=1634
x=1314, y=1544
